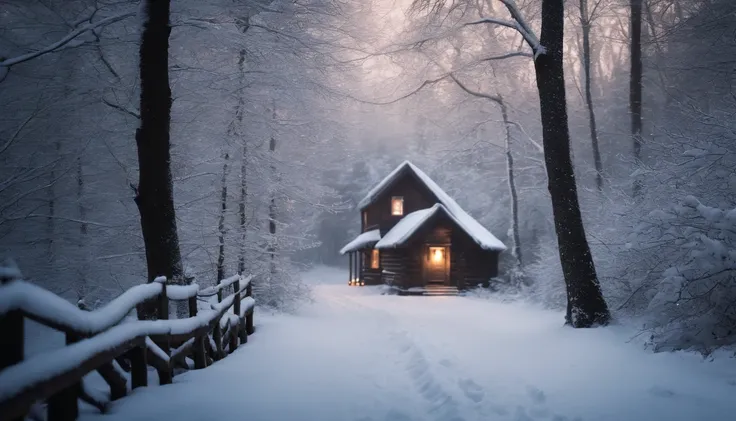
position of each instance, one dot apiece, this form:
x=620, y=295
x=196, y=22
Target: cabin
x=418, y=240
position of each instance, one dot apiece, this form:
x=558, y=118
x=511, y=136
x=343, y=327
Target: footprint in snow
x=471, y=390
x=500, y=410
x=537, y=395
x=521, y=415
x=445, y=363
x=396, y=415
x=661, y=392
x=564, y=418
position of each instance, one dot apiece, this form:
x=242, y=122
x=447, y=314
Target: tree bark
x=221, y=223
x=82, y=286
x=585, y=22
x=243, y=165
x=516, y=248
x=154, y=194
x=635, y=86
x=272, y=210
x=585, y=304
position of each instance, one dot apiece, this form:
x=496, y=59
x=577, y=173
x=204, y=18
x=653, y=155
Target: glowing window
x=397, y=205
x=374, y=259
x=437, y=255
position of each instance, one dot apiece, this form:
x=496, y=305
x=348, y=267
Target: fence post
x=200, y=360
x=217, y=337
x=241, y=320
x=11, y=324
x=64, y=405
x=164, y=375
x=249, y=328
x=139, y=366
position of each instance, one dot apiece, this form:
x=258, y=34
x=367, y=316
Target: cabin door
x=437, y=265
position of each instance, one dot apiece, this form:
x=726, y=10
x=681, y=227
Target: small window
x=397, y=205
x=365, y=219
x=375, y=259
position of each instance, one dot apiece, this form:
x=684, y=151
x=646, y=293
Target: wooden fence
x=110, y=342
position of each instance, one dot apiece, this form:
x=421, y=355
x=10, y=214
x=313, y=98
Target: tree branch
x=518, y=23
x=62, y=42
x=121, y=108
x=508, y=55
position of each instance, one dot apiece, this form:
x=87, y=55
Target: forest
x=201, y=139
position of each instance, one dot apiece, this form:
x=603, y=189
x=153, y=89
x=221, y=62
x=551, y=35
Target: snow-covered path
x=355, y=355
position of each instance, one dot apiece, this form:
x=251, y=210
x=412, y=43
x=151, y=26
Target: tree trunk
x=241, y=210
x=659, y=51
x=585, y=304
x=516, y=248
x=585, y=21
x=221, y=223
x=243, y=165
x=154, y=194
x=82, y=287
x=272, y=212
x=635, y=88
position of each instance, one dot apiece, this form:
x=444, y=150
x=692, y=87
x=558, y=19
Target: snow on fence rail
x=109, y=342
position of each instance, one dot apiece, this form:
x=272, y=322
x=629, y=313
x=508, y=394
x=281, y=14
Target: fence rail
x=108, y=341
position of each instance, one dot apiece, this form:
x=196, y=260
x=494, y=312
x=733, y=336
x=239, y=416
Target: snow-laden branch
x=494, y=98
x=62, y=42
x=508, y=55
x=518, y=23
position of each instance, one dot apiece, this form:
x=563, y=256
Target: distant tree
x=635, y=85
x=587, y=17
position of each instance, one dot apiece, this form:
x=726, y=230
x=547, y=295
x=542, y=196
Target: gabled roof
x=467, y=223
x=367, y=238
x=407, y=226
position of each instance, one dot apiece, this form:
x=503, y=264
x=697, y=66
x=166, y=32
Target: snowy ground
x=356, y=355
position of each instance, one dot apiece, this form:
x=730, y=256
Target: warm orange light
x=437, y=254
x=397, y=206
x=375, y=261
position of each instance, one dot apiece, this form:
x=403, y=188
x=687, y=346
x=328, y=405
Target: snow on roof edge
x=406, y=227
x=361, y=240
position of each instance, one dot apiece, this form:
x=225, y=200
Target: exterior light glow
x=437, y=254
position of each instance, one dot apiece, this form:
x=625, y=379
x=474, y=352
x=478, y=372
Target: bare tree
x=510, y=173
x=586, y=19
x=221, y=221
x=585, y=304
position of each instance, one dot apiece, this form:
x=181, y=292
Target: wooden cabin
x=417, y=239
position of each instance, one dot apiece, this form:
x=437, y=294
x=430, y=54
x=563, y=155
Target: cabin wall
x=394, y=260
x=414, y=267
x=416, y=196
x=471, y=265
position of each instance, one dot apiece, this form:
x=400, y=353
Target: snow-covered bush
x=694, y=304
x=547, y=284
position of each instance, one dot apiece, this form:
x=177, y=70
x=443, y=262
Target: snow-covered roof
x=406, y=227
x=364, y=239
x=409, y=224
x=473, y=228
